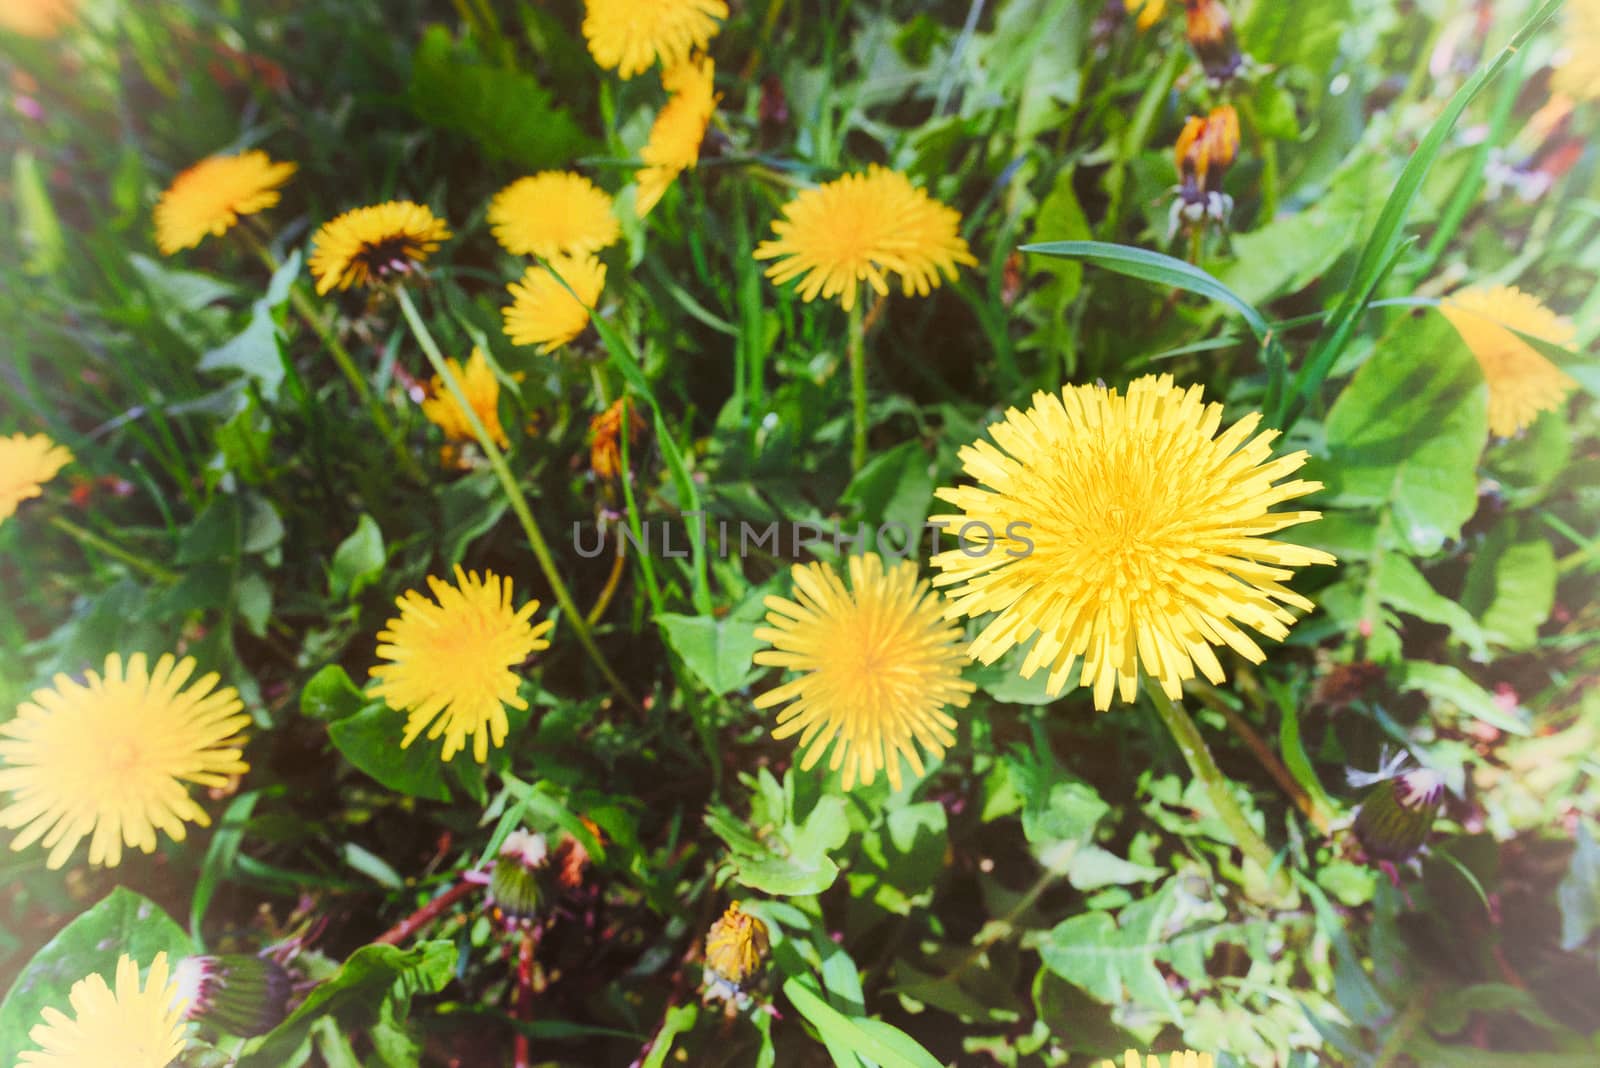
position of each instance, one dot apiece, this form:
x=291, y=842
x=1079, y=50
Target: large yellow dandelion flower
x=552, y=213
x=674, y=143
x=1186, y=1059
x=111, y=756
x=629, y=35
x=374, y=243
x=27, y=462
x=1127, y=531
x=209, y=197
x=482, y=388
x=543, y=312
x=1522, y=383
x=128, y=1028
x=1579, y=74
x=453, y=659
x=860, y=228
x=1149, y=12
x=37, y=18
x=878, y=665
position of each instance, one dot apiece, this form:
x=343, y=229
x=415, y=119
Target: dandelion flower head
x=452, y=661
x=552, y=213
x=111, y=756
x=374, y=243
x=544, y=312
x=27, y=462
x=131, y=1027
x=863, y=227
x=37, y=18
x=1185, y=1059
x=209, y=197
x=1149, y=12
x=477, y=380
x=674, y=142
x=629, y=35
x=1522, y=383
x=877, y=664
x=737, y=945
x=1578, y=75
x=1148, y=537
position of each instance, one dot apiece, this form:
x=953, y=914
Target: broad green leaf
x=884, y=1045
x=220, y=855
x=183, y=290
x=894, y=487
x=1451, y=686
x=1060, y=218
x=717, y=651
x=1579, y=891
x=1059, y=818
x=122, y=923
x=1407, y=432
x=1114, y=958
x=355, y=996
x=1512, y=587
x=256, y=351
x=370, y=740
x=331, y=695
x=358, y=561
x=37, y=222
x=1093, y=868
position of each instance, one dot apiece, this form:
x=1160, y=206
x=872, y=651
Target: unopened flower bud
x=1211, y=36
x=239, y=994
x=1397, y=814
x=737, y=946
x=514, y=883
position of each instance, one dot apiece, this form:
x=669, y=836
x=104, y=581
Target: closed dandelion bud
x=1211, y=36
x=1207, y=147
x=737, y=946
x=514, y=883
x=1397, y=814
x=238, y=994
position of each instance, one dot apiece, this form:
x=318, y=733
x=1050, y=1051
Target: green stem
x=858, y=385
x=514, y=495
x=90, y=540
x=1198, y=757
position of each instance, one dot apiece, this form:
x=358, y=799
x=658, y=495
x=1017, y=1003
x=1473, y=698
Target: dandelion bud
x=1148, y=12
x=736, y=946
x=1397, y=814
x=1207, y=148
x=239, y=994
x=1211, y=37
x=514, y=883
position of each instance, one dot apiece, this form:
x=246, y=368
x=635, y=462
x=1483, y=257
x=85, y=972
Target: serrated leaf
x=370, y=740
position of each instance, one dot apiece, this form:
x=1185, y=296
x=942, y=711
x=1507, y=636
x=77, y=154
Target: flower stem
x=90, y=540
x=514, y=495
x=1198, y=757
x=858, y=386
x=402, y=931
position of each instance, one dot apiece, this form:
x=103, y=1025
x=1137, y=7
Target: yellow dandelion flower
x=1149, y=11
x=111, y=756
x=1185, y=1059
x=1522, y=383
x=453, y=659
x=629, y=35
x=1579, y=73
x=37, y=18
x=860, y=227
x=674, y=143
x=878, y=666
x=209, y=197
x=552, y=213
x=482, y=388
x=737, y=945
x=1126, y=531
x=27, y=462
x=374, y=243
x=543, y=312
x=130, y=1027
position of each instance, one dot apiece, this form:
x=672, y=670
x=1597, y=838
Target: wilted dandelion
x=605, y=438
x=1149, y=12
x=37, y=18
x=131, y=1027
x=629, y=35
x=27, y=462
x=1184, y=1059
x=1579, y=73
x=374, y=243
x=1205, y=150
x=482, y=388
x=737, y=946
x=209, y=197
x=1147, y=533
x=863, y=227
x=674, y=143
x=452, y=660
x=544, y=312
x=110, y=756
x=1522, y=383
x=877, y=663
x=553, y=213
x=1210, y=32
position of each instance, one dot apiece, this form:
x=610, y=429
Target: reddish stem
x=419, y=919
x=524, y=1004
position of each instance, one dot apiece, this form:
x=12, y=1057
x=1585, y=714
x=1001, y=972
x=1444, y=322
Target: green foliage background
x=1058, y=888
